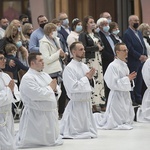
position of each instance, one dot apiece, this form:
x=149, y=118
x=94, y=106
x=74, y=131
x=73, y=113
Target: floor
x=136, y=139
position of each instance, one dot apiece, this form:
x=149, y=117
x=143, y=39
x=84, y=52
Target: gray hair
x=101, y=20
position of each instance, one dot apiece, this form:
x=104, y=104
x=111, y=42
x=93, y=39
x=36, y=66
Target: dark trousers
x=62, y=100
x=136, y=94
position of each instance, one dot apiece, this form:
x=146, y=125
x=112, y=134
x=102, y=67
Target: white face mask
x=54, y=35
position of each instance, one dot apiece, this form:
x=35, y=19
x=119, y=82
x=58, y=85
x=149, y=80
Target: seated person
x=11, y=51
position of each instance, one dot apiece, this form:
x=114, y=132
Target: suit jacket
x=136, y=48
x=64, y=33
x=107, y=53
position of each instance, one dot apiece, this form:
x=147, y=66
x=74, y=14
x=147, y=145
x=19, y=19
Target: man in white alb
x=39, y=121
x=119, y=112
x=7, y=89
x=143, y=113
x=77, y=120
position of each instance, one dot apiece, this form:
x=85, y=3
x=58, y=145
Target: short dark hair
x=117, y=46
x=40, y=16
x=73, y=45
x=32, y=57
x=23, y=16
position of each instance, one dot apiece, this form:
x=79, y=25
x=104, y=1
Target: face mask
x=19, y=29
x=54, y=35
x=109, y=20
x=65, y=22
x=14, y=54
x=97, y=30
x=116, y=32
x=135, y=25
x=25, y=22
x=4, y=27
x=106, y=28
x=43, y=24
x=29, y=34
x=19, y=44
x=78, y=28
x=58, y=28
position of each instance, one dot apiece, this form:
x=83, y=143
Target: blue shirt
x=34, y=40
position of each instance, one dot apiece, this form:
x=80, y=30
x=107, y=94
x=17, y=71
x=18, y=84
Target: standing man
x=136, y=57
x=119, y=112
x=106, y=15
x=109, y=42
x=77, y=120
x=37, y=34
x=64, y=30
x=39, y=121
x=7, y=88
x=3, y=25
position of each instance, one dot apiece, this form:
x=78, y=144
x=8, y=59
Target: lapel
x=135, y=37
x=64, y=33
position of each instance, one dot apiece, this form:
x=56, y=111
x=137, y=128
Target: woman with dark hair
x=93, y=47
x=114, y=30
x=76, y=28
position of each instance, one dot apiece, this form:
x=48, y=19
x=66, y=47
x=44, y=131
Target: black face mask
x=29, y=34
x=25, y=22
x=43, y=24
x=135, y=25
x=4, y=27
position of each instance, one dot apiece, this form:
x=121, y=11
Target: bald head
x=133, y=22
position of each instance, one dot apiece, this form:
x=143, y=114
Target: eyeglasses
x=63, y=18
x=2, y=58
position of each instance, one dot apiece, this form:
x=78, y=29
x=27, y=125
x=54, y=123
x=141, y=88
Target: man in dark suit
x=63, y=33
x=137, y=55
x=109, y=42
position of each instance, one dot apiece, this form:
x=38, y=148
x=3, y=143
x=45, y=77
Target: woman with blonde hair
x=13, y=34
x=145, y=30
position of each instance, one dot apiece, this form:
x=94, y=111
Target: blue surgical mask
x=58, y=28
x=116, y=32
x=97, y=30
x=78, y=28
x=106, y=28
x=19, y=44
x=14, y=54
x=109, y=20
x=19, y=29
x=54, y=35
x=65, y=22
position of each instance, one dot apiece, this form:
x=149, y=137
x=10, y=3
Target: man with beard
x=3, y=25
x=37, y=34
x=39, y=93
x=77, y=121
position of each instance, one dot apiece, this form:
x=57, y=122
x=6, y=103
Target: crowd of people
x=86, y=75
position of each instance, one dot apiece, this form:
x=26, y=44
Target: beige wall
x=145, y=4
x=37, y=8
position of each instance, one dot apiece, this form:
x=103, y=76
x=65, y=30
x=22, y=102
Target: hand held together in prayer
x=90, y=74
